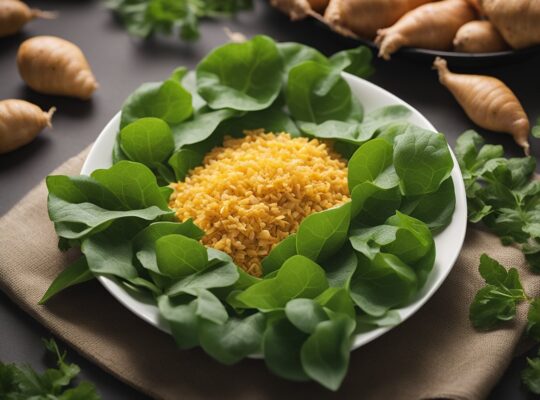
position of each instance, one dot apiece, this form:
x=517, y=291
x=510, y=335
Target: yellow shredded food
x=253, y=192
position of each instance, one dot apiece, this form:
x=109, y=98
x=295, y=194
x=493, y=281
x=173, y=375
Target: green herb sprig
x=502, y=193
x=21, y=382
x=146, y=17
x=495, y=304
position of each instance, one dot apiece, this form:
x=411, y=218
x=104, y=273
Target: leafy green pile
x=23, y=383
x=502, y=193
x=346, y=270
x=146, y=17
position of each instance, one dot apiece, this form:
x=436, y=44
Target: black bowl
x=454, y=58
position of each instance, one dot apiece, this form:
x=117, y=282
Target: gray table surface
x=121, y=63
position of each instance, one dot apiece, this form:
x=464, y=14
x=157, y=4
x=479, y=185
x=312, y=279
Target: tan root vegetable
x=14, y=14
x=362, y=18
x=479, y=37
x=52, y=65
x=298, y=9
x=430, y=26
x=20, y=122
x=518, y=21
x=488, y=102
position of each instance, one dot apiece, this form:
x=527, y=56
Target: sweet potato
x=52, y=65
x=430, y=26
x=14, y=14
x=20, y=123
x=518, y=21
x=488, y=102
x=479, y=37
x=362, y=18
x=298, y=9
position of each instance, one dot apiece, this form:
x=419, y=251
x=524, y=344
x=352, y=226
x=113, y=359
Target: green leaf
x=354, y=132
x=382, y=283
x=218, y=276
x=337, y=300
x=179, y=256
x=85, y=391
x=281, y=346
x=533, y=320
x=279, y=254
x=110, y=252
x=366, y=323
x=380, y=117
x=82, y=189
x=372, y=162
x=77, y=221
x=182, y=320
x=241, y=76
x=230, y=342
x=340, y=268
x=491, y=306
x=305, y=314
x=413, y=239
x=22, y=382
x=133, y=184
x=317, y=93
x=354, y=61
x=298, y=277
x=209, y=307
x=368, y=241
x=147, y=140
x=167, y=100
x=75, y=273
x=325, y=354
x=531, y=375
x=467, y=147
x=495, y=274
x=434, y=209
x=293, y=54
x=272, y=119
x=321, y=234
x=372, y=205
x=145, y=240
x=199, y=128
x=422, y=161
x=183, y=161
x=179, y=74
x=347, y=132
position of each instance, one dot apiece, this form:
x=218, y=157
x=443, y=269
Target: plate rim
x=459, y=218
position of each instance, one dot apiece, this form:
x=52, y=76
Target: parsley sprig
x=502, y=193
x=21, y=382
x=496, y=302
x=146, y=17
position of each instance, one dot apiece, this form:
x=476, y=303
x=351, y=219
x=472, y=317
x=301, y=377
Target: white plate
x=448, y=242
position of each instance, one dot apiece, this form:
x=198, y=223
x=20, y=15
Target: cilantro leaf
x=491, y=306
x=146, y=17
x=496, y=302
x=22, y=382
x=502, y=193
x=495, y=274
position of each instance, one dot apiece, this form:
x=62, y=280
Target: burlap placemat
x=435, y=354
